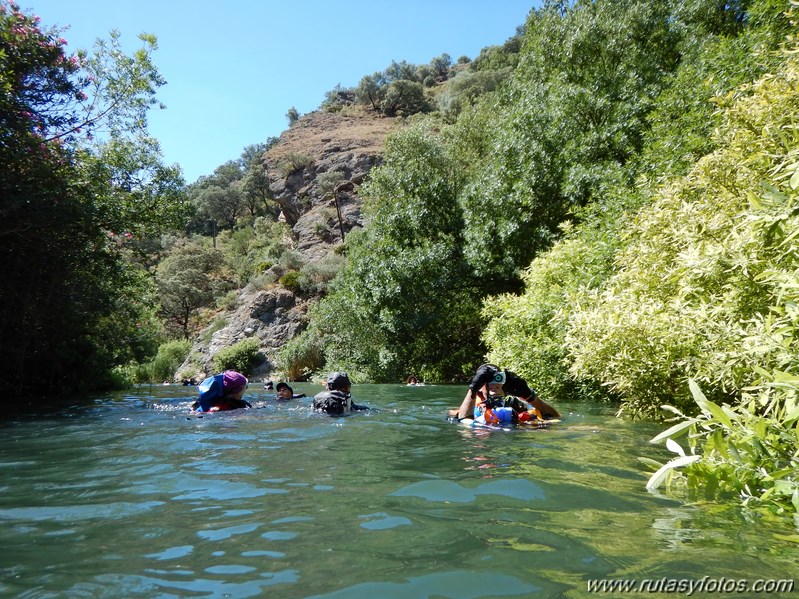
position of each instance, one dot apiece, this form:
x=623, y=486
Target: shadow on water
x=128, y=495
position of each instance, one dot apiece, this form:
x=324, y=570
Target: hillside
x=317, y=144
x=319, y=134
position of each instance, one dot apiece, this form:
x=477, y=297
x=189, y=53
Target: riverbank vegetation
x=616, y=219
x=78, y=178
x=605, y=204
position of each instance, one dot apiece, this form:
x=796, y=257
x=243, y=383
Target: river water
x=125, y=495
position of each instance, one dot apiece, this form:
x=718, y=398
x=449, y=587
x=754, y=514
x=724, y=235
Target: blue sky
x=234, y=68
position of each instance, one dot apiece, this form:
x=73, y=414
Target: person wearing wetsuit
x=513, y=390
x=285, y=392
x=222, y=392
x=337, y=399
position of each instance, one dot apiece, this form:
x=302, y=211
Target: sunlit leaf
x=654, y=464
x=794, y=182
x=657, y=479
x=672, y=409
x=708, y=406
x=673, y=431
x=674, y=447
x=791, y=538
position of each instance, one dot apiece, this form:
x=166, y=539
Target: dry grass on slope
x=318, y=134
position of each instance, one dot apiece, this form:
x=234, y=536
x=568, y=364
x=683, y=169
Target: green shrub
x=122, y=377
x=707, y=269
x=526, y=333
x=293, y=162
x=161, y=368
x=328, y=181
x=242, y=356
x=263, y=266
x=228, y=301
x=316, y=276
x=746, y=444
x=291, y=280
x=262, y=281
x=748, y=451
x=300, y=357
x=168, y=359
x=291, y=260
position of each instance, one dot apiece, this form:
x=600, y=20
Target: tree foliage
x=560, y=139
x=703, y=270
x=567, y=123
x=237, y=189
x=187, y=281
x=402, y=295
x=72, y=309
x=691, y=274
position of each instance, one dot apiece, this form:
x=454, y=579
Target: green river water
x=124, y=495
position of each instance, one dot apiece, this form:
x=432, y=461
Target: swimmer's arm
x=467, y=406
x=546, y=410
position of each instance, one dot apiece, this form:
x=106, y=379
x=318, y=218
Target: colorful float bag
x=497, y=416
x=210, y=389
x=485, y=414
x=496, y=410
x=505, y=415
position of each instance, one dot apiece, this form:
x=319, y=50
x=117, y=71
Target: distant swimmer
x=285, y=392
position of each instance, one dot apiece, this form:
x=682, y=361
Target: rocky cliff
x=320, y=156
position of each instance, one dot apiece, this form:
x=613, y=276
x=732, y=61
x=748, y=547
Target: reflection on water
x=130, y=496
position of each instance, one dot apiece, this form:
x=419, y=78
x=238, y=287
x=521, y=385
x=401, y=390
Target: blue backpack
x=210, y=389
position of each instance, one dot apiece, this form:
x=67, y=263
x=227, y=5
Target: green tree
x=570, y=119
x=135, y=192
x=328, y=183
x=256, y=195
x=254, y=153
x=398, y=89
x=255, y=181
x=405, y=293
x=700, y=277
x=67, y=288
x=722, y=49
x=187, y=280
x=222, y=205
x=440, y=67
x=466, y=87
x=556, y=314
x=405, y=98
x=370, y=90
x=506, y=56
x=399, y=71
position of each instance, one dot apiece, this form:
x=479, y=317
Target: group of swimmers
x=224, y=391
x=495, y=396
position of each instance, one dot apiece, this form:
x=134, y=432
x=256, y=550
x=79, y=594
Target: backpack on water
x=332, y=402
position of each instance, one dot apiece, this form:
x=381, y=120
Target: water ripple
x=444, y=490
x=70, y=513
